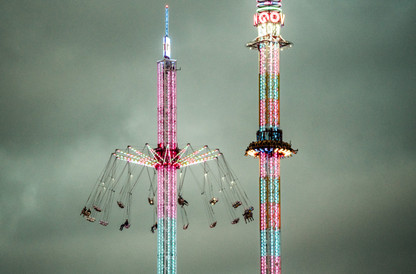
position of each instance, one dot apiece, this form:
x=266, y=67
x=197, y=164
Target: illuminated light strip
x=263, y=116
x=269, y=3
x=193, y=154
x=139, y=156
x=174, y=141
x=161, y=218
x=207, y=159
x=160, y=247
x=275, y=186
x=263, y=248
x=275, y=260
x=262, y=87
x=214, y=154
x=270, y=86
x=268, y=8
x=278, y=101
x=160, y=193
x=168, y=109
x=174, y=191
x=276, y=84
x=276, y=239
x=262, y=190
x=131, y=156
x=208, y=154
x=170, y=203
x=263, y=212
x=172, y=217
x=199, y=157
x=160, y=67
x=138, y=161
x=274, y=54
x=172, y=114
x=274, y=215
x=263, y=265
x=143, y=163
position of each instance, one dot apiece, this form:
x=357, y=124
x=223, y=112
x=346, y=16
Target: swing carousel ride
x=157, y=168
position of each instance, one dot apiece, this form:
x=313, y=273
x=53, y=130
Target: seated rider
x=153, y=228
x=237, y=204
x=236, y=220
x=125, y=225
x=248, y=214
x=181, y=201
x=213, y=201
x=120, y=204
x=213, y=225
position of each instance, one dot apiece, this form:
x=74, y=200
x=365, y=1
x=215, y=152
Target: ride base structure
x=127, y=168
x=269, y=147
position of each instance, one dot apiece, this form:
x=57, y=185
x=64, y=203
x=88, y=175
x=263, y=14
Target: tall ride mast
x=269, y=146
x=167, y=147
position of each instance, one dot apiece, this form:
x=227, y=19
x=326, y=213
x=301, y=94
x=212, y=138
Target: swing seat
x=90, y=219
x=185, y=227
x=237, y=204
x=235, y=221
x=97, y=208
x=103, y=223
x=120, y=204
x=213, y=225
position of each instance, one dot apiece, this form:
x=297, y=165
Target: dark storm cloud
x=78, y=80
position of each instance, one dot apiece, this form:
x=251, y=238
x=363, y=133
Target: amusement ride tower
x=269, y=147
x=125, y=168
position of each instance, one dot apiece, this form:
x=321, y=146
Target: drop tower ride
x=269, y=147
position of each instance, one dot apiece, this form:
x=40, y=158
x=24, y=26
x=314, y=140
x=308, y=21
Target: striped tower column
x=269, y=146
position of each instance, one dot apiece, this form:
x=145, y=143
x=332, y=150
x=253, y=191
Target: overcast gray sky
x=78, y=79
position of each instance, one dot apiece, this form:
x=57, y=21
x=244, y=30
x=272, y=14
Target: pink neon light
x=263, y=159
x=275, y=58
x=172, y=172
x=262, y=59
x=270, y=86
x=263, y=265
x=174, y=109
x=275, y=166
x=160, y=192
x=275, y=262
x=274, y=216
x=263, y=214
x=168, y=110
x=160, y=103
x=262, y=107
x=169, y=204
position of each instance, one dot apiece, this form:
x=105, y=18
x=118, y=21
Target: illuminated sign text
x=264, y=17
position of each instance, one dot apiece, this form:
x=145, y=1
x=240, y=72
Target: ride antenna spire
x=269, y=147
x=159, y=166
